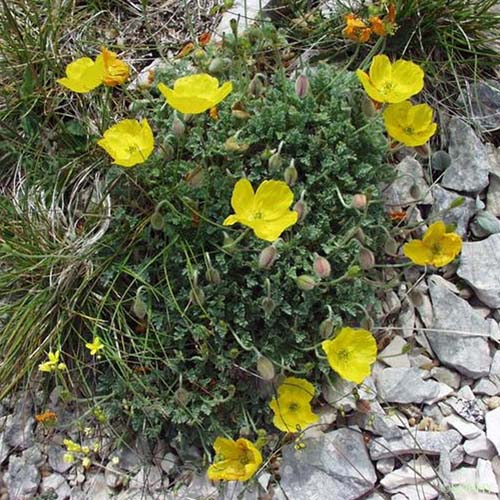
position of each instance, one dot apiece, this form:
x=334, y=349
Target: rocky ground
x=429, y=426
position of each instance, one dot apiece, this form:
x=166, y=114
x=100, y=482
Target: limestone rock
x=480, y=447
x=493, y=427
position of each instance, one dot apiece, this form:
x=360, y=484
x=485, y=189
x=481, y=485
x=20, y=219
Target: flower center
x=408, y=130
x=244, y=458
x=436, y=248
x=132, y=149
x=258, y=215
x=293, y=407
x=343, y=355
x=387, y=87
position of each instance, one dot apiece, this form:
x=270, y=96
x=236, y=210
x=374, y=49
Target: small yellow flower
x=267, y=211
x=356, y=29
x=83, y=75
x=68, y=458
x=409, y=124
x=129, y=142
x=195, y=93
x=292, y=408
x=71, y=446
x=86, y=462
x=95, y=346
x=392, y=83
x=437, y=247
x=52, y=364
x=235, y=460
x=116, y=71
x=351, y=353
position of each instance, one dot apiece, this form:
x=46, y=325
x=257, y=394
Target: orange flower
x=47, y=417
x=214, y=113
x=356, y=29
x=116, y=71
x=397, y=216
x=204, y=38
x=391, y=15
x=377, y=26
x=187, y=49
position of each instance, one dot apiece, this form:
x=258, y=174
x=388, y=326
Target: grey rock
x=113, y=476
x=148, y=478
x=4, y=448
x=19, y=430
x=335, y=466
x=467, y=429
x=465, y=352
x=22, y=479
x=485, y=477
x=405, y=385
x=470, y=162
x=377, y=422
x=480, y=268
x=448, y=377
x=393, y=354
x=493, y=427
x=409, y=185
x=129, y=459
x=480, y=447
x=55, y=483
x=96, y=487
x=169, y=462
x=457, y=455
x=385, y=465
x=414, y=441
x=422, y=491
x=406, y=318
x=468, y=409
x=460, y=216
x=493, y=196
x=486, y=386
x=414, y=472
x=56, y=459
x=484, y=103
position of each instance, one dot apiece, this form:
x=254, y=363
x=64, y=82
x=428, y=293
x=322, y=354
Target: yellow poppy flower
x=356, y=29
x=267, y=211
x=129, y=142
x=195, y=93
x=351, y=353
x=83, y=75
x=437, y=247
x=292, y=408
x=116, y=71
x=392, y=83
x=409, y=124
x=95, y=346
x=235, y=460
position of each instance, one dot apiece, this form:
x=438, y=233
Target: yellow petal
x=82, y=75
x=434, y=233
x=380, y=70
x=272, y=230
x=369, y=87
x=297, y=388
x=408, y=76
x=198, y=84
x=420, y=116
x=223, y=92
x=273, y=198
x=242, y=199
x=450, y=245
x=418, y=253
x=230, y=220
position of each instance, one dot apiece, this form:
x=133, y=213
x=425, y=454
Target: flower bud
x=359, y=201
x=275, y=161
x=182, y=396
x=139, y=308
x=353, y=271
x=157, y=221
x=216, y=65
x=301, y=208
x=228, y=244
x=168, y=151
x=178, y=127
x=302, y=86
x=367, y=323
x=265, y=368
x=197, y=295
x=213, y=276
x=366, y=258
x=326, y=328
x=321, y=266
x=268, y=305
x=360, y=235
x=256, y=86
x=267, y=257
x=233, y=146
x=367, y=107
x=291, y=175
x=305, y=282
x=195, y=177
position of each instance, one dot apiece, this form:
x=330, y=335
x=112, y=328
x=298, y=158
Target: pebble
x=467, y=429
x=394, y=355
x=446, y=376
x=493, y=427
x=480, y=447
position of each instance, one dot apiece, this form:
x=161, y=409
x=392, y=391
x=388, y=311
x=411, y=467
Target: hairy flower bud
x=256, y=86
x=265, y=368
x=359, y=201
x=291, y=175
x=268, y=305
x=216, y=66
x=157, y=221
x=326, y=328
x=267, y=257
x=213, y=276
x=228, y=243
x=233, y=146
x=366, y=258
x=139, y=308
x=305, y=282
x=197, y=295
x=275, y=161
x=178, y=127
x=367, y=107
x=302, y=86
x=321, y=266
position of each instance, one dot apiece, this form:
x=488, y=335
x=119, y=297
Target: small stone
x=421, y=491
x=169, y=462
x=394, y=354
x=486, y=386
x=467, y=429
x=480, y=268
x=376, y=421
x=56, y=459
x=55, y=483
x=493, y=427
x=414, y=472
x=470, y=162
x=466, y=393
x=19, y=430
x=493, y=402
x=457, y=456
x=409, y=186
x=485, y=477
x=493, y=197
x=483, y=98
x=323, y=469
x=460, y=215
x=406, y=318
x=148, y=477
x=466, y=352
x=480, y=447
x=113, y=476
x=405, y=385
x=429, y=443
x=22, y=478
x=446, y=376
x=96, y=487
x=385, y=465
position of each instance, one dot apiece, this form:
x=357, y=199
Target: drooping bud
x=197, y=295
x=267, y=257
x=233, y=146
x=326, y=328
x=301, y=86
x=321, y=266
x=359, y=201
x=139, y=307
x=291, y=175
x=301, y=208
x=360, y=235
x=275, y=160
x=367, y=323
x=168, y=151
x=157, y=221
x=195, y=177
x=366, y=258
x=390, y=246
x=238, y=111
x=182, y=396
x=424, y=150
x=178, y=127
x=256, y=86
x=265, y=368
x=216, y=66
x=268, y=305
x=228, y=244
x=305, y=282
x=213, y=276
x=367, y=107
